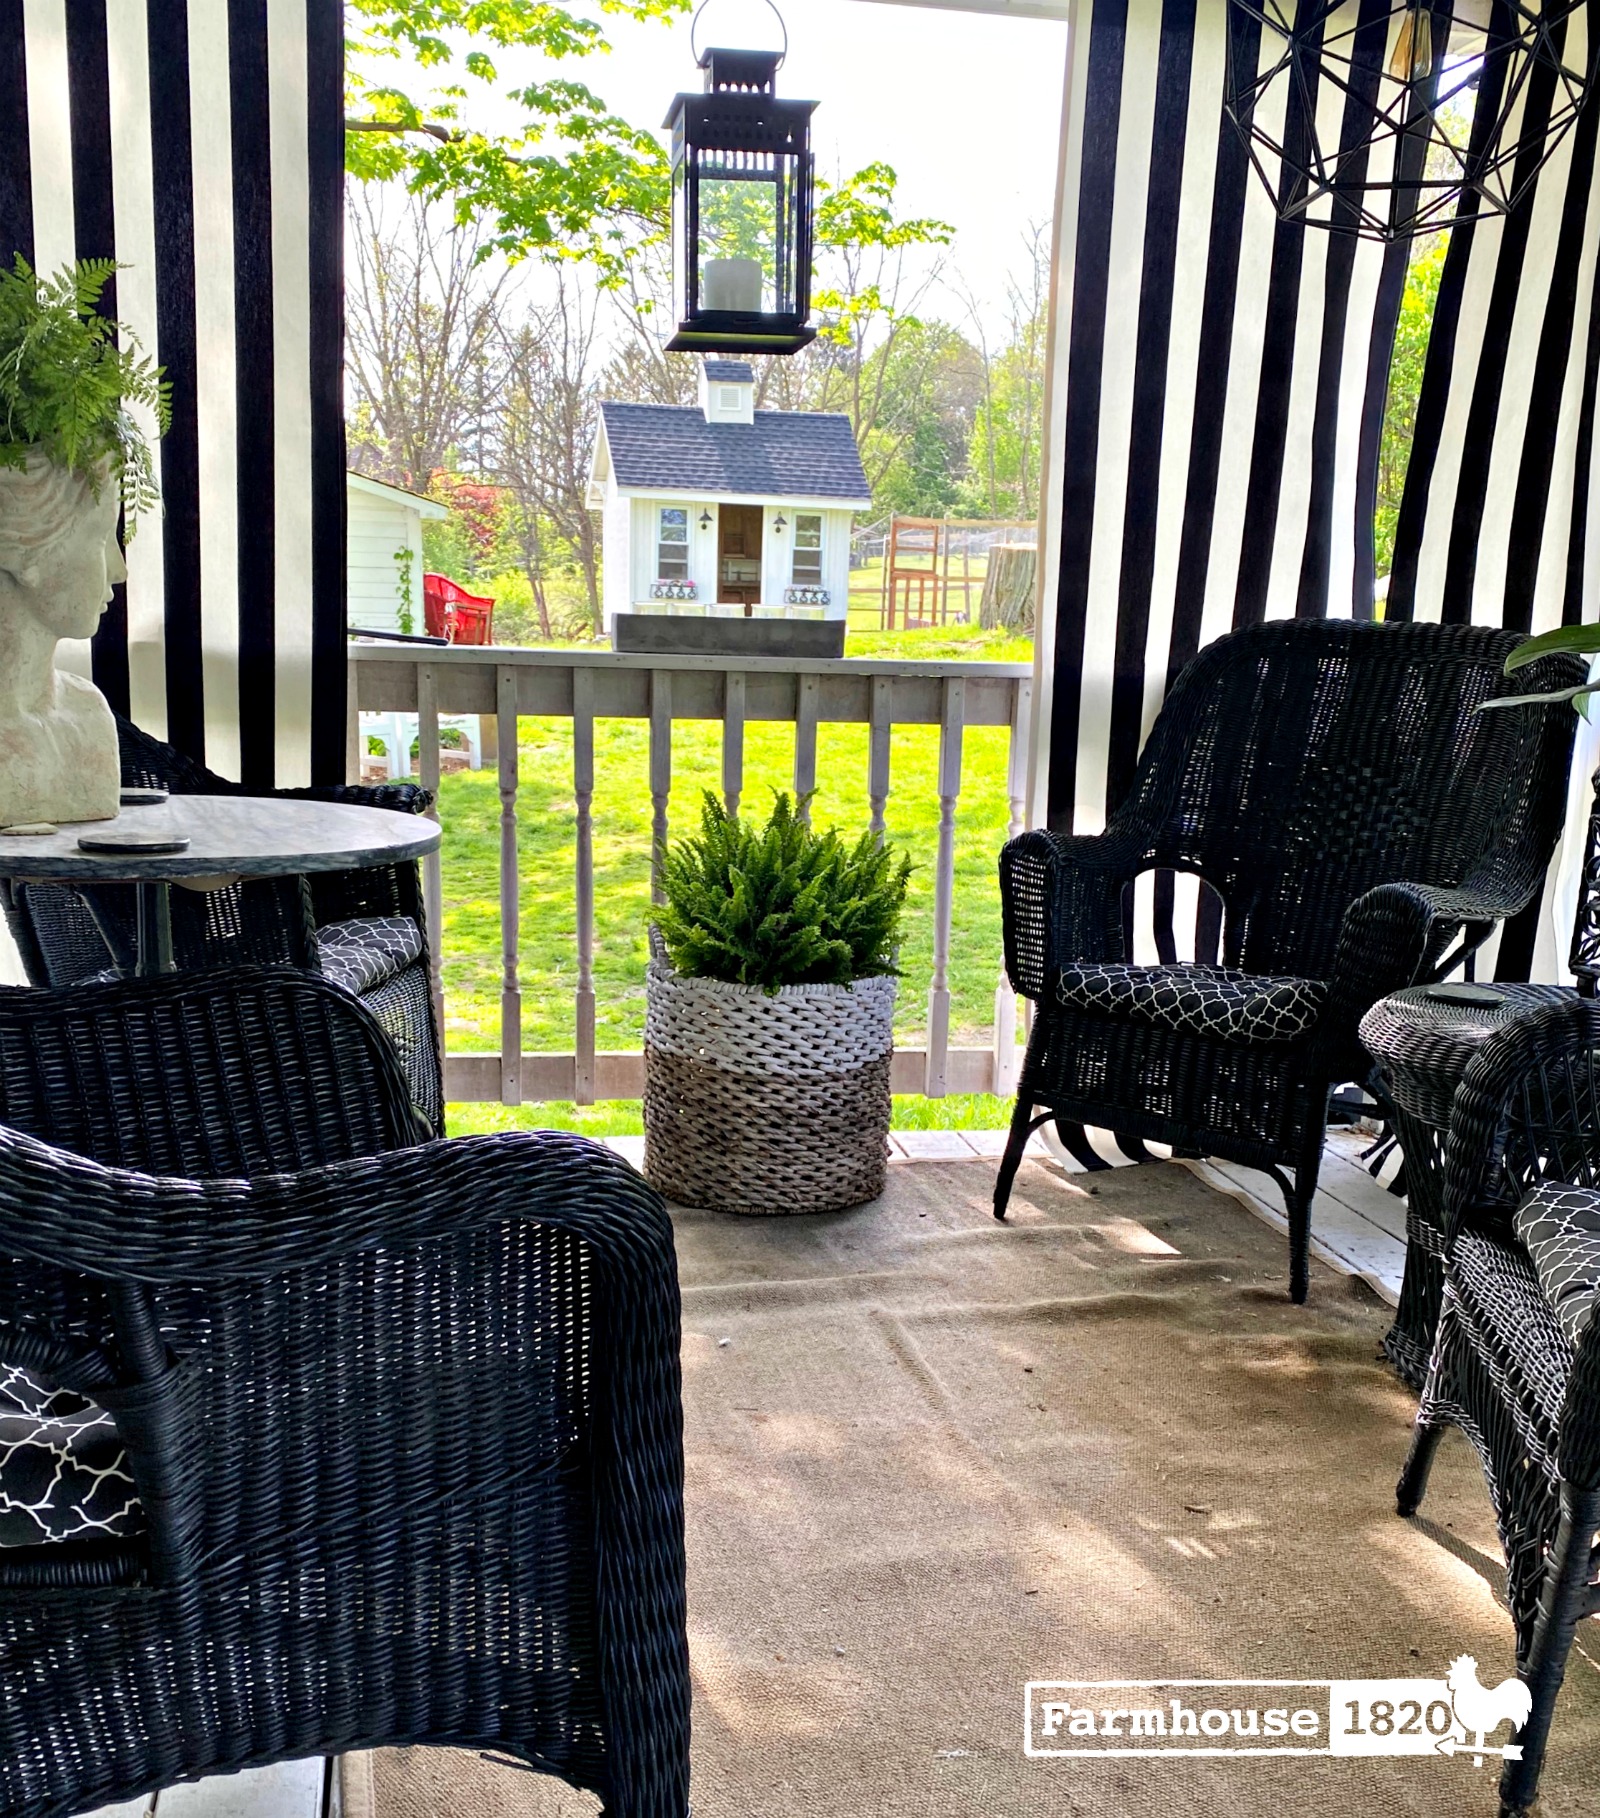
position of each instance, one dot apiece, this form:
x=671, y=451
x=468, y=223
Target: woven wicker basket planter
x=766, y=1104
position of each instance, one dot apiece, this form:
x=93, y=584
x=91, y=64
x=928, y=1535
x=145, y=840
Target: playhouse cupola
x=727, y=391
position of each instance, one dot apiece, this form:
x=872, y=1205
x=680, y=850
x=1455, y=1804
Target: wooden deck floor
x=1356, y=1226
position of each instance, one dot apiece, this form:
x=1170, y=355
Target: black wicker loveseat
x=1363, y=826
x=1516, y=1360
x=366, y=930
x=343, y=1435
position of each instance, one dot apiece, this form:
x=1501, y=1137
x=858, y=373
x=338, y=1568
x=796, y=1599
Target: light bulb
x=1412, y=60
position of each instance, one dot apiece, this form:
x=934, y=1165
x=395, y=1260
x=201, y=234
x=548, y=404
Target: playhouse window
x=808, y=549
x=672, y=544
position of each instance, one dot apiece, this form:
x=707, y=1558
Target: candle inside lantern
x=731, y=284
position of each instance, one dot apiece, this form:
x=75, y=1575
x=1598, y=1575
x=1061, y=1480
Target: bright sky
x=967, y=108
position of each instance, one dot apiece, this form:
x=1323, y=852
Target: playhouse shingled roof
x=783, y=453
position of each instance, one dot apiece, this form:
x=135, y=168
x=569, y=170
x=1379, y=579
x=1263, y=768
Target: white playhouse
x=720, y=507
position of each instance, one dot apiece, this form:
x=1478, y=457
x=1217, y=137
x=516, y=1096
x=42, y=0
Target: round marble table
x=228, y=837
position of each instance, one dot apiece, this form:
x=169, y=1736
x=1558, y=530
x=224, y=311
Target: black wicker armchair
x=1516, y=1360
x=341, y=1437
x=1333, y=784
x=366, y=930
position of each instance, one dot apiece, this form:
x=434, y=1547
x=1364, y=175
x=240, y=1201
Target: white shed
x=384, y=554
x=723, y=504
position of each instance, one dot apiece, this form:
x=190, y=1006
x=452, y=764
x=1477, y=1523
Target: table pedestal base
x=154, y=935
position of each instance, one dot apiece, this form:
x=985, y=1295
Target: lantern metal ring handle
x=772, y=7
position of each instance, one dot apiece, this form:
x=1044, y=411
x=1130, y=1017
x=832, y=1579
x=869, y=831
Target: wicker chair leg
x=1563, y=1603
x=1298, y=1201
x=1413, y=1484
x=1023, y=1125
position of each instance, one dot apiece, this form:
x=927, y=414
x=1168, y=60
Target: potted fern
x=68, y=377
x=72, y=461
x=769, y=1025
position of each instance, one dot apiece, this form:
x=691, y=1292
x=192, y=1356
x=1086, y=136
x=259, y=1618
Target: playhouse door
x=739, y=556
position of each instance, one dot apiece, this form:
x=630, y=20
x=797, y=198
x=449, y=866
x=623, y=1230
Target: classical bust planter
x=59, y=559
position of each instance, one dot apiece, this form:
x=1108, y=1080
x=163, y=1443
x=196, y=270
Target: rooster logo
x=1480, y=1709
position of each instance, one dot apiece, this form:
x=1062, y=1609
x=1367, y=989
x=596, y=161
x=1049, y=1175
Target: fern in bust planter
x=780, y=905
x=68, y=377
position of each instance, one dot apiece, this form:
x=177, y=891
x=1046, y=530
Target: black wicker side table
x=1422, y=1040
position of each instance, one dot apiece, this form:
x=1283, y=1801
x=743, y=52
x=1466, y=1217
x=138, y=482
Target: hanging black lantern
x=742, y=197
x=1377, y=117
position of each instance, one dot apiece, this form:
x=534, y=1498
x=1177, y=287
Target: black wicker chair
x=366, y=930
x=351, y=1438
x=1516, y=1360
x=1333, y=784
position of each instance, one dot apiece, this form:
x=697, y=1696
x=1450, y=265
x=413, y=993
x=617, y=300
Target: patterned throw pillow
x=362, y=954
x=1560, y=1228
x=63, y=1472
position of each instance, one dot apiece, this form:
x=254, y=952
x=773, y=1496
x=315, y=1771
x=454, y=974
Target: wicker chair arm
x=400, y=798
x=242, y=1070
x=63, y=1210
x=1527, y=1110
x=1391, y=937
x=1061, y=898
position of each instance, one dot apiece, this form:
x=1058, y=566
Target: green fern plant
x=69, y=378
x=780, y=905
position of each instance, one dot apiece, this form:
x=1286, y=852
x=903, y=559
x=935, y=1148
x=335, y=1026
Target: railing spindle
x=1005, y=999
x=583, y=789
x=879, y=737
x=807, y=691
x=660, y=771
x=510, y=890
x=355, y=747
x=952, y=724
x=432, y=876
x=732, y=740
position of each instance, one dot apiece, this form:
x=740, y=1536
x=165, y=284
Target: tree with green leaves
x=1006, y=452
x=422, y=319
x=574, y=179
x=1405, y=387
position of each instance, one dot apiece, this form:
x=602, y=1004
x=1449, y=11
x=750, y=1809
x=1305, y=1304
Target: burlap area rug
x=931, y=1458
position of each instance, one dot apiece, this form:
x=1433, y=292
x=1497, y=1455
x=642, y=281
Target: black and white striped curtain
x=200, y=143
x=1223, y=376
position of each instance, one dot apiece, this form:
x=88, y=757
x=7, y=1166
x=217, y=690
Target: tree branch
x=442, y=133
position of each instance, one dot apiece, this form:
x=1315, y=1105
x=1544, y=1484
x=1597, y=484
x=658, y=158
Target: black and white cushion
x=1560, y=1229
x=1198, y=1000
x=363, y=954
x=63, y=1472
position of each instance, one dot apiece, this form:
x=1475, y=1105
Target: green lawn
x=470, y=811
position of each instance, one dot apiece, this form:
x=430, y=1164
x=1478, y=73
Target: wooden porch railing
x=583, y=686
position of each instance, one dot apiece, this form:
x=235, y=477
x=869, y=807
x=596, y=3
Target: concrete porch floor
x=1357, y=1227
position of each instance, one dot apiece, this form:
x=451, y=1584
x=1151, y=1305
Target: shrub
x=780, y=905
x=67, y=377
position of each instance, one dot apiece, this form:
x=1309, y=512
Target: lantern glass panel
x=742, y=218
